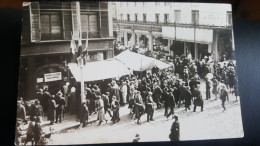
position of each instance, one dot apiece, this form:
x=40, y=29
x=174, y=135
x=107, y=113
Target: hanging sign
x=52, y=77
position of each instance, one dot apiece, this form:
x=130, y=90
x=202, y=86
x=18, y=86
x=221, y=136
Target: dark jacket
x=198, y=101
x=175, y=131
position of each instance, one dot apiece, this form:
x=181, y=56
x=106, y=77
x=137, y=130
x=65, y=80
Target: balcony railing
x=185, y=25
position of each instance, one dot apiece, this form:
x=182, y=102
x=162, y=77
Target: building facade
x=199, y=29
x=47, y=31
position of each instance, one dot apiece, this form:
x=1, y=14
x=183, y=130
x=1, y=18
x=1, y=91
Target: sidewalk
x=69, y=122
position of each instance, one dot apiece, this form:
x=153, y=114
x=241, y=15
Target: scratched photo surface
x=123, y=72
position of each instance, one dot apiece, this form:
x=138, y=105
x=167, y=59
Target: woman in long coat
x=215, y=87
x=175, y=130
x=101, y=111
x=52, y=109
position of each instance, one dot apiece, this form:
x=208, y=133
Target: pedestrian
x=157, y=94
x=171, y=103
x=124, y=93
x=223, y=97
x=150, y=106
x=36, y=111
x=115, y=90
x=139, y=106
x=175, y=130
x=207, y=88
x=106, y=103
x=60, y=108
x=137, y=138
x=21, y=113
x=101, y=111
x=84, y=114
x=72, y=100
x=215, y=87
x=165, y=99
x=18, y=133
x=198, y=98
x=52, y=109
x=37, y=131
x=30, y=132
x=187, y=94
x=115, y=108
x=46, y=96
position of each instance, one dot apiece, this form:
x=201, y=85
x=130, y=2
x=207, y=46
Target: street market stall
x=138, y=62
x=99, y=70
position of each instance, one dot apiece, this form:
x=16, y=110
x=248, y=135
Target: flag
x=72, y=47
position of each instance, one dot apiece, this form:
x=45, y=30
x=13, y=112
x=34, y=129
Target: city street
x=212, y=123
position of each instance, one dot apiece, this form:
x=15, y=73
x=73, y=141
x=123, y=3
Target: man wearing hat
x=170, y=102
x=84, y=112
x=36, y=110
x=139, y=106
x=223, y=96
x=149, y=108
x=137, y=138
x=207, y=88
x=21, y=112
x=198, y=98
x=175, y=130
x=157, y=95
x=52, y=109
x=187, y=95
x=115, y=108
x=60, y=109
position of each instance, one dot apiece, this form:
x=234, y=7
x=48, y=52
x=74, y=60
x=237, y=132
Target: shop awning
x=99, y=70
x=138, y=62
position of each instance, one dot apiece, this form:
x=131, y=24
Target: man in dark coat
x=171, y=103
x=187, y=99
x=175, y=130
x=21, y=113
x=198, y=98
x=59, y=110
x=84, y=114
x=52, y=109
x=106, y=103
x=115, y=108
x=165, y=99
x=45, y=98
x=157, y=95
x=150, y=107
x=223, y=97
x=36, y=111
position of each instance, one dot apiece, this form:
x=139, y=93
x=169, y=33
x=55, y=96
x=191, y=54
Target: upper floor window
x=136, y=17
x=50, y=25
x=128, y=17
x=229, y=18
x=177, y=16
x=121, y=16
x=195, y=17
x=143, y=3
x=89, y=23
x=144, y=18
x=166, y=3
x=166, y=18
x=135, y=3
x=157, y=18
x=157, y=3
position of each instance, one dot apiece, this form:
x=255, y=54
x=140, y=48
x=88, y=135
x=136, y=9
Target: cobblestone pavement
x=212, y=123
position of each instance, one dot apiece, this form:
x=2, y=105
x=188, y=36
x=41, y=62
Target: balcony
x=157, y=26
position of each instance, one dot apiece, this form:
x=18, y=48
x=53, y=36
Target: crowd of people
x=143, y=93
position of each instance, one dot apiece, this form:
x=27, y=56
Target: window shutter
x=35, y=22
x=67, y=25
x=74, y=20
x=104, y=24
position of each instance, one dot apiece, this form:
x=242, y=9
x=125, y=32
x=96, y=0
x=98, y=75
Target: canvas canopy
x=138, y=62
x=99, y=70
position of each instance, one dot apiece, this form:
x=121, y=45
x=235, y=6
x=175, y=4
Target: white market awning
x=99, y=70
x=138, y=62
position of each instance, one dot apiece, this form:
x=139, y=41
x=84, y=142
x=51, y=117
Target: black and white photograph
x=95, y=72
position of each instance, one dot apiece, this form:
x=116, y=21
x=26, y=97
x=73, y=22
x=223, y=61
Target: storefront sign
x=52, y=77
x=39, y=80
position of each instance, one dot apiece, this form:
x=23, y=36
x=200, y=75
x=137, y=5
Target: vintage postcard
x=123, y=72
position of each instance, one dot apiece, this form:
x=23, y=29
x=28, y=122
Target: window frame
x=166, y=18
x=195, y=17
x=177, y=18
x=144, y=17
x=128, y=17
x=157, y=18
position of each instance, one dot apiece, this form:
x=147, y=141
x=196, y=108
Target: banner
x=52, y=77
